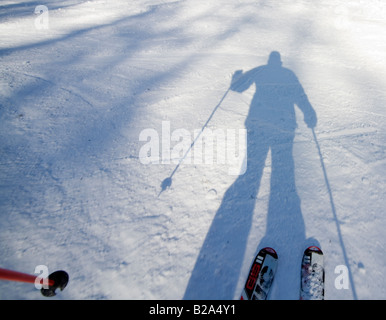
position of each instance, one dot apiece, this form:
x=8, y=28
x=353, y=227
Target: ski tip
x=270, y=251
x=314, y=249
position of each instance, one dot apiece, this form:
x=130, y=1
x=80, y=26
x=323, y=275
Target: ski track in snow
x=74, y=98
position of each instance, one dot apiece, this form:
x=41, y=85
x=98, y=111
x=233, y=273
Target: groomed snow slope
x=76, y=195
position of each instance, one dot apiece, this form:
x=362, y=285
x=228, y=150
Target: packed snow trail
x=84, y=80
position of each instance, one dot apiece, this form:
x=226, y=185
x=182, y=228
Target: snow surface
x=75, y=194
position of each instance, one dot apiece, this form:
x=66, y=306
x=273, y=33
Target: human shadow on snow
x=270, y=125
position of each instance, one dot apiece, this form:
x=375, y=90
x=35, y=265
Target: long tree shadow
x=271, y=125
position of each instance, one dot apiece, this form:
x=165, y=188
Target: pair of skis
x=263, y=269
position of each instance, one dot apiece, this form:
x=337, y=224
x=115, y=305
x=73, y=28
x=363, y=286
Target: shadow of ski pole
x=335, y=216
x=167, y=182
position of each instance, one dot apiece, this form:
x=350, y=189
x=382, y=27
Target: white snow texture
x=100, y=100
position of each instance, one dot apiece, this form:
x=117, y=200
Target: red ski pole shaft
x=20, y=277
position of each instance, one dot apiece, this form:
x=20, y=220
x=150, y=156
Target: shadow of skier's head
x=274, y=59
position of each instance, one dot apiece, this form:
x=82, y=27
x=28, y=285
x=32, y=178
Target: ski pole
x=57, y=279
x=335, y=215
x=168, y=181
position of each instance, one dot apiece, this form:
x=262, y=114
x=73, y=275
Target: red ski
x=260, y=276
